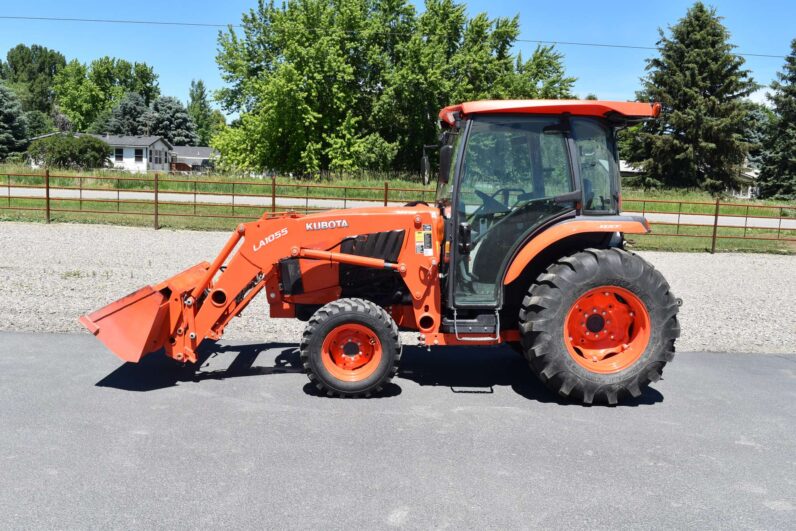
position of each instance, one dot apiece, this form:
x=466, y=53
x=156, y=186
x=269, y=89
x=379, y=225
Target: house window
x=119, y=155
x=150, y=156
x=139, y=155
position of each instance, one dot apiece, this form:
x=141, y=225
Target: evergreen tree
x=38, y=123
x=201, y=113
x=12, y=124
x=169, y=118
x=129, y=117
x=701, y=85
x=757, y=128
x=778, y=171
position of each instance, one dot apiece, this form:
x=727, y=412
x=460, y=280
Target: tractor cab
x=508, y=169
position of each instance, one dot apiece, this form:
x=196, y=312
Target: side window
x=599, y=173
x=119, y=155
x=555, y=166
x=139, y=155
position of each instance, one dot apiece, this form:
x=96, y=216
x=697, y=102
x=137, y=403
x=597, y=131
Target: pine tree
x=169, y=119
x=201, y=113
x=12, y=124
x=701, y=85
x=778, y=172
x=128, y=118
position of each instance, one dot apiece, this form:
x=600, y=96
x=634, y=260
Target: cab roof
x=633, y=111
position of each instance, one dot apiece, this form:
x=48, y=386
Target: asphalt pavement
x=465, y=438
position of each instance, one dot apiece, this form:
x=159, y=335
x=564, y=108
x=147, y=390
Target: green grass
x=634, y=200
x=730, y=239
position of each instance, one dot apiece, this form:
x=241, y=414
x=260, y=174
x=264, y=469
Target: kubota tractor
x=524, y=245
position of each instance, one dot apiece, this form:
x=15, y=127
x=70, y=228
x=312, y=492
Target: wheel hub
x=595, y=323
x=351, y=352
x=607, y=329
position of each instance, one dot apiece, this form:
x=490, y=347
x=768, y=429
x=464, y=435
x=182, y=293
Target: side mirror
x=445, y=157
x=425, y=169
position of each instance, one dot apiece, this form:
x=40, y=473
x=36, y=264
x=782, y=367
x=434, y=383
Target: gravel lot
x=52, y=274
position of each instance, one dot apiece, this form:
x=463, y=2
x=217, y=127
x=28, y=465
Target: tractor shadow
x=466, y=370
x=478, y=370
x=157, y=371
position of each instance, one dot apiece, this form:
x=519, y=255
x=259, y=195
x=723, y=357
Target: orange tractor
x=524, y=246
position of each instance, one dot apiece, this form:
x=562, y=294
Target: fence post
x=715, y=227
x=47, y=194
x=273, y=194
x=156, y=223
x=386, y=191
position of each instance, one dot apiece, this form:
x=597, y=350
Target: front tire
x=599, y=325
x=350, y=348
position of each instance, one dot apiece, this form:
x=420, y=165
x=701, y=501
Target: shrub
x=70, y=152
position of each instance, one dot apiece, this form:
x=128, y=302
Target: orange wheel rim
x=351, y=352
x=607, y=329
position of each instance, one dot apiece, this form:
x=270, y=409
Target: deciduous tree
x=30, y=70
x=349, y=84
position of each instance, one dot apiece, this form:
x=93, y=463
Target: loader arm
x=179, y=313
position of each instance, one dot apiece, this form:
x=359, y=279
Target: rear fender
x=565, y=229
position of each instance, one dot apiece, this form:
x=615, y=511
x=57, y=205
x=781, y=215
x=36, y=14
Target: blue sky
x=180, y=54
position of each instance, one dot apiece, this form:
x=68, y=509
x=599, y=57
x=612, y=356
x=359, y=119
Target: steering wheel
x=490, y=204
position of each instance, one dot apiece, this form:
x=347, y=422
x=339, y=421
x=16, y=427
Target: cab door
x=511, y=175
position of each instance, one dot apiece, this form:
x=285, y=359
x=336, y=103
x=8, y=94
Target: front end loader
x=524, y=246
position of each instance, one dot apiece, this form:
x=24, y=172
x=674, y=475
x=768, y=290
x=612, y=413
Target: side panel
x=579, y=225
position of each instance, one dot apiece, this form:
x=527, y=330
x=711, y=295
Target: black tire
x=358, y=312
x=549, y=299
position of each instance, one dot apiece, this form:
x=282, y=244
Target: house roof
x=132, y=141
x=118, y=140
x=194, y=152
x=630, y=110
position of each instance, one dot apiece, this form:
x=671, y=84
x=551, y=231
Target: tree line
x=40, y=93
x=336, y=86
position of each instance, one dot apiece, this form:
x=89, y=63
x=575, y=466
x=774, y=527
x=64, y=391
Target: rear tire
x=599, y=325
x=350, y=348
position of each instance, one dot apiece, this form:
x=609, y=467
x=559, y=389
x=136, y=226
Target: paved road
x=464, y=439
x=287, y=203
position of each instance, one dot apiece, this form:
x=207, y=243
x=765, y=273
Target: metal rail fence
x=157, y=197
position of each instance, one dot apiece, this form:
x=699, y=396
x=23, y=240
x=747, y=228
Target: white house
x=137, y=154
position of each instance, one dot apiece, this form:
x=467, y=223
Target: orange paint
x=607, y=330
x=351, y=352
x=564, y=230
x=601, y=109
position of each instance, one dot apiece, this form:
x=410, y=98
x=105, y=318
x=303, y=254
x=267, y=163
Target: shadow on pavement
x=472, y=370
x=157, y=371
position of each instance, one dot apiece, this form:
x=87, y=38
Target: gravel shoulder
x=52, y=274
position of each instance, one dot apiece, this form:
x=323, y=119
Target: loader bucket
x=137, y=324
x=131, y=326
